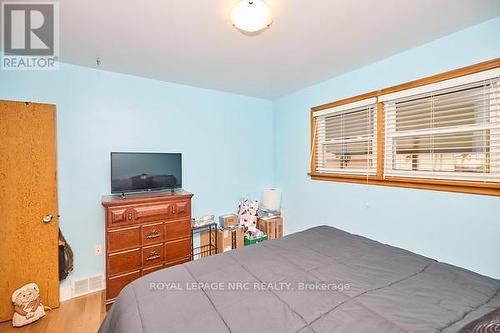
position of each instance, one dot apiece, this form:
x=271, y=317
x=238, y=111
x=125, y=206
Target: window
x=447, y=133
x=441, y=132
x=346, y=138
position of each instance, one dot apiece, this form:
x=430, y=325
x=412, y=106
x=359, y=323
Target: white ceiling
x=192, y=41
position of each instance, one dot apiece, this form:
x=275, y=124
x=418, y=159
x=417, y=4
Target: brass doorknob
x=47, y=218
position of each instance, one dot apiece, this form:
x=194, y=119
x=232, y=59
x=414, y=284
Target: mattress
x=318, y=280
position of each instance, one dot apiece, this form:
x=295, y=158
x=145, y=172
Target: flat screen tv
x=135, y=172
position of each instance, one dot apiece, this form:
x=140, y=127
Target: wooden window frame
x=473, y=187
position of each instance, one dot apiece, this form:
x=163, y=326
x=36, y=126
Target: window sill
x=426, y=184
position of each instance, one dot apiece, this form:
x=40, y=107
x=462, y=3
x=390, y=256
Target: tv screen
x=133, y=172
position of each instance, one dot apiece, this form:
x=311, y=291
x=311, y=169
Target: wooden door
x=28, y=193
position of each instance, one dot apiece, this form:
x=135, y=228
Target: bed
x=318, y=280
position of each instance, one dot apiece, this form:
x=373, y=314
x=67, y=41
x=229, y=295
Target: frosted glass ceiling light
x=251, y=15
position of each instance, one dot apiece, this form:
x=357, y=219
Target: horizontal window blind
x=345, y=139
x=450, y=130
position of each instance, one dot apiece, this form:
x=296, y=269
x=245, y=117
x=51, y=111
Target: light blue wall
x=226, y=141
x=457, y=228
x=223, y=138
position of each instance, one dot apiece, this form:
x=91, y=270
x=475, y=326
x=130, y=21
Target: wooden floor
x=78, y=315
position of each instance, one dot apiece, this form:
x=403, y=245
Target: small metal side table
x=206, y=249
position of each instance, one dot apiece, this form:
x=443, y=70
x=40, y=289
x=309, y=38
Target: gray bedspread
x=319, y=280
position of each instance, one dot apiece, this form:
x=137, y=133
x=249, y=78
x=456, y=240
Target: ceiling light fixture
x=251, y=15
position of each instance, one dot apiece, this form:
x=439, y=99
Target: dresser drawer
x=116, y=284
x=120, y=216
x=179, y=209
x=151, y=212
x=151, y=269
x=124, y=261
x=177, y=249
x=152, y=255
x=123, y=239
x=153, y=233
x=177, y=262
x=177, y=229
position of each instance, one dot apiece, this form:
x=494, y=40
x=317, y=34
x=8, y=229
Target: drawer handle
x=153, y=255
x=174, y=210
x=153, y=234
x=130, y=215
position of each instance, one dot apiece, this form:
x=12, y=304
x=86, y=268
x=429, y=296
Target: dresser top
x=136, y=198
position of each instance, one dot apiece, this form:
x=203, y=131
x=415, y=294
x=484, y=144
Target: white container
x=272, y=199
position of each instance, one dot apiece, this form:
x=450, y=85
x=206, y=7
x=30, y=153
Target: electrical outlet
x=98, y=250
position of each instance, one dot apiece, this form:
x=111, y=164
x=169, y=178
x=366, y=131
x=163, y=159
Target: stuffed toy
x=27, y=305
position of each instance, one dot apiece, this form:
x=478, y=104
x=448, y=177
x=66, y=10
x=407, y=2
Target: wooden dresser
x=144, y=233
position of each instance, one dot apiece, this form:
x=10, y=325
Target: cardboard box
x=224, y=240
x=238, y=234
x=204, y=248
x=229, y=238
x=205, y=237
x=279, y=227
x=272, y=227
x=228, y=220
x=265, y=227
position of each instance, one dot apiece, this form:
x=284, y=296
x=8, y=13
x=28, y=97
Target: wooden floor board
x=79, y=315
